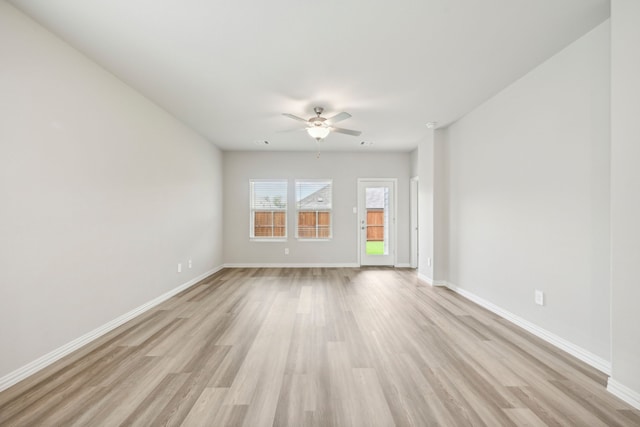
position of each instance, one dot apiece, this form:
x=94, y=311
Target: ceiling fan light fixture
x=319, y=127
x=318, y=132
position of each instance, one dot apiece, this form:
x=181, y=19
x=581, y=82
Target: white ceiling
x=229, y=69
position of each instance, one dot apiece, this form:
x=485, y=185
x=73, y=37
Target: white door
x=414, y=222
x=377, y=221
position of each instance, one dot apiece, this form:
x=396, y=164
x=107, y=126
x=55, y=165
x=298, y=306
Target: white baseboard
x=623, y=392
x=302, y=265
x=46, y=360
x=586, y=356
x=428, y=280
x=292, y=265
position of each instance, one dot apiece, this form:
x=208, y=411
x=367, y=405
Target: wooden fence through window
x=269, y=224
x=314, y=225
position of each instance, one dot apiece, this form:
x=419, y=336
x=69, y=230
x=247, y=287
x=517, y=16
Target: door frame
x=414, y=221
x=394, y=223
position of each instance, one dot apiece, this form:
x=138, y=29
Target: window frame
x=253, y=210
x=317, y=212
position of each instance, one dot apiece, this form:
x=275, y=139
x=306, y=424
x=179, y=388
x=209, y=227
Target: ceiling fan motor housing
x=317, y=121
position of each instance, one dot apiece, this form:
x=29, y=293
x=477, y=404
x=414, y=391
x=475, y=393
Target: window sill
x=267, y=240
x=314, y=240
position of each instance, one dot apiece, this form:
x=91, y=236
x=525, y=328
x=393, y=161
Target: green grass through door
x=375, y=248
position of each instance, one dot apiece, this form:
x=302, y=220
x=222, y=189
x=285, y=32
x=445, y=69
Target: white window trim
x=268, y=239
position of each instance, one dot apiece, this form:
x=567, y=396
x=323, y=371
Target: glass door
x=376, y=221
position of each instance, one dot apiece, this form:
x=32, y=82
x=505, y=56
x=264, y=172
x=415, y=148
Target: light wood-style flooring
x=316, y=347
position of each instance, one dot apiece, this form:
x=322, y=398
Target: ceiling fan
x=319, y=127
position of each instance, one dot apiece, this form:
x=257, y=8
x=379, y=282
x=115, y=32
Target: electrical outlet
x=429, y=261
x=179, y=268
x=286, y=251
x=190, y=264
x=539, y=297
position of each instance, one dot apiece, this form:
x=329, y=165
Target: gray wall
x=625, y=197
x=528, y=204
x=344, y=169
x=101, y=195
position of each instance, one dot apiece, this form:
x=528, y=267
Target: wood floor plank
x=524, y=417
x=371, y=403
x=549, y=414
x=316, y=347
x=206, y=408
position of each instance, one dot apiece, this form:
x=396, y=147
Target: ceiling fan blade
x=337, y=118
x=291, y=116
x=346, y=131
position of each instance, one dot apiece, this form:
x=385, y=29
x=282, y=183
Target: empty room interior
x=320, y=213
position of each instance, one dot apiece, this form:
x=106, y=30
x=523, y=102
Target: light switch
x=539, y=297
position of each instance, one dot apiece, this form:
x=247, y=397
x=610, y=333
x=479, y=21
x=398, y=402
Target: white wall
x=430, y=160
x=625, y=199
x=426, y=161
x=101, y=195
x=344, y=169
x=528, y=200
x=413, y=159
x=440, y=207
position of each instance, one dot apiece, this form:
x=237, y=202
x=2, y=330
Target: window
x=313, y=205
x=268, y=199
